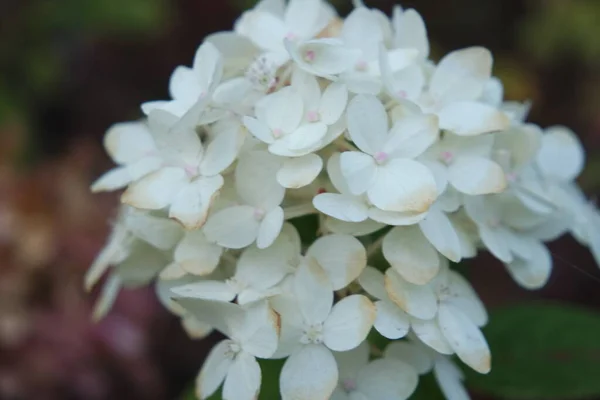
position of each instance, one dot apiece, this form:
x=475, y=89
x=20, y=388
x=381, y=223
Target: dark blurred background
x=71, y=68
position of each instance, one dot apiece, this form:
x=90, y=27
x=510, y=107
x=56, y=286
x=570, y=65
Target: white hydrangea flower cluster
x=297, y=112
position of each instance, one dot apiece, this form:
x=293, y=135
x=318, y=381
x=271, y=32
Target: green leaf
x=542, y=351
x=428, y=389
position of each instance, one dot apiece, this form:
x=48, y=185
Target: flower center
x=493, y=222
x=381, y=157
x=233, y=350
x=349, y=385
x=277, y=133
x=291, y=36
x=309, y=56
x=511, y=177
x=447, y=157
x=191, y=170
x=362, y=65
x=402, y=93
x=312, y=334
x=262, y=74
x=259, y=214
x=312, y=116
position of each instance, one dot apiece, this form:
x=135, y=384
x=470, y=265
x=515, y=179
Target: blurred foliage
x=46, y=35
x=556, y=27
x=542, y=351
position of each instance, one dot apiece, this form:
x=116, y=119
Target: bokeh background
x=71, y=68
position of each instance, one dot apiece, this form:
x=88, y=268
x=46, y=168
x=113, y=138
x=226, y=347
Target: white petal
x=156, y=190
x=462, y=294
x=351, y=362
x=233, y=227
x=269, y=228
x=462, y=74
x=305, y=137
x=285, y=110
x=387, y=379
x=263, y=28
x=196, y=255
x=367, y=123
x=410, y=31
x=411, y=255
x=243, y=380
x=301, y=16
x=532, y=273
x=128, y=142
x=350, y=321
x=342, y=207
x=213, y=370
x=222, y=151
x=259, y=332
x=299, y=171
x=561, y=156
x=322, y=57
x=476, y=176
x=343, y=257
x=208, y=66
x=114, y=179
x=449, y=380
x=495, y=239
x=313, y=292
x=184, y=85
x=441, y=234
x=359, y=171
x=259, y=129
x=309, y=374
x=192, y=204
x=395, y=218
x=107, y=297
x=412, y=354
x=333, y=103
x=418, y=301
x=403, y=185
x=412, y=135
x=391, y=321
x=352, y=228
x=371, y=281
x=206, y=290
x=471, y=118
x=465, y=338
x=256, y=182
x=429, y=332
x=361, y=31
x=264, y=268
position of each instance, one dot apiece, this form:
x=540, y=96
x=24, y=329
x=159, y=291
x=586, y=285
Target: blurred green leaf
x=542, y=351
x=428, y=389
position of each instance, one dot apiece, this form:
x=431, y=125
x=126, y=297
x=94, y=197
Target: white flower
x=385, y=169
x=447, y=375
x=446, y=315
x=132, y=147
x=466, y=164
x=268, y=27
x=259, y=217
x=256, y=274
x=561, y=156
x=188, y=85
x=311, y=327
x=381, y=379
x=189, y=179
x=252, y=333
x=410, y=31
x=457, y=83
x=527, y=259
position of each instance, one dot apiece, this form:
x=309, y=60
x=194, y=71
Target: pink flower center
x=381, y=157
x=511, y=177
x=259, y=213
x=191, y=170
x=309, y=56
x=349, y=385
x=402, y=94
x=277, y=133
x=312, y=116
x=291, y=36
x=446, y=156
x=362, y=65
